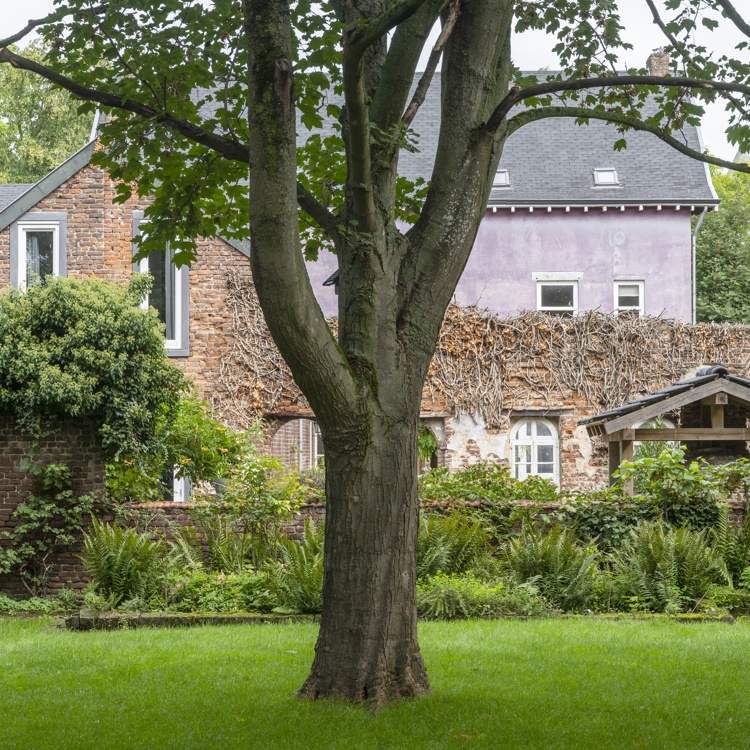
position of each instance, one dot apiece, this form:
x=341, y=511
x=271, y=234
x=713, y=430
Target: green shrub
x=449, y=597
x=199, y=591
x=123, y=564
x=732, y=544
x=564, y=571
x=662, y=569
x=449, y=544
x=296, y=577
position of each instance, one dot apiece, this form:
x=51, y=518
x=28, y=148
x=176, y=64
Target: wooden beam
x=660, y=407
x=683, y=434
x=717, y=417
x=626, y=454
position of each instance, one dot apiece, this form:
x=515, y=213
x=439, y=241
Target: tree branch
x=225, y=146
x=51, y=18
x=533, y=115
x=424, y=82
x=517, y=95
x=324, y=218
x=684, y=52
x=734, y=16
x=362, y=35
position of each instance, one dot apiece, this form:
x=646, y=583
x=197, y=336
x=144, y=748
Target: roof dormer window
x=606, y=177
x=502, y=179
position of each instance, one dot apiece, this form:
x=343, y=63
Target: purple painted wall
x=631, y=245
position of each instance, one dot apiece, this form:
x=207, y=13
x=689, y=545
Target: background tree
x=202, y=94
x=39, y=123
x=723, y=253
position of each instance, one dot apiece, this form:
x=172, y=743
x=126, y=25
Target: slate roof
x=552, y=162
x=703, y=376
x=9, y=193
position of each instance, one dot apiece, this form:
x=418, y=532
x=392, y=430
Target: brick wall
x=76, y=445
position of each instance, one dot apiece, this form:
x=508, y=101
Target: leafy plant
x=564, y=571
x=296, y=577
x=200, y=591
x=48, y=520
x=449, y=597
x=449, y=544
x=426, y=443
x=123, y=564
x=663, y=569
x=732, y=544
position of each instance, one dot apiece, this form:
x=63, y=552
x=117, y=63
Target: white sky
x=530, y=51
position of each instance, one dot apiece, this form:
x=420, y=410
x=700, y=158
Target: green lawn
x=497, y=684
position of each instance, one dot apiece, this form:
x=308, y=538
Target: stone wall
x=77, y=445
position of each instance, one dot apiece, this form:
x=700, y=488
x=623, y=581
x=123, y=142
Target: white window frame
x=316, y=445
x=37, y=226
x=557, y=282
x=641, y=303
x=601, y=181
x=176, y=343
x=501, y=179
x=534, y=441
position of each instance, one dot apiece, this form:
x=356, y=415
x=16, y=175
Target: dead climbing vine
x=488, y=365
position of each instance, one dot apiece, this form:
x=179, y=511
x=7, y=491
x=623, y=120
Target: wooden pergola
x=710, y=409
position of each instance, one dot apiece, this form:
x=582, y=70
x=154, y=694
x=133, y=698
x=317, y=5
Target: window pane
x=39, y=255
x=524, y=431
x=542, y=430
x=162, y=296
x=545, y=469
x=628, y=295
x=523, y=454
x=605, y=176
x=545, y=454
x=557, y=295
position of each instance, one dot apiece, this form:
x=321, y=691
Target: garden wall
x=76, y=445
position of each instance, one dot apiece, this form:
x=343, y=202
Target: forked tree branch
x=322, y=216
x=424, y=82
x=533, y=115
x=517, y=95
x=362, y=35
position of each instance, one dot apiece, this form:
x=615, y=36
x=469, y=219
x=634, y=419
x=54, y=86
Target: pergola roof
x=707, y=382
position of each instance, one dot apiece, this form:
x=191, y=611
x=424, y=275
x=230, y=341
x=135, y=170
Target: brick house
x=570, y=226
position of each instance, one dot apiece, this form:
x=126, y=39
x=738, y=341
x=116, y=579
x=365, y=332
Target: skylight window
x=606, y=178
x=502, y=179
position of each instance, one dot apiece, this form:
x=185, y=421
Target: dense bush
x=86, y=349
x=200, y=591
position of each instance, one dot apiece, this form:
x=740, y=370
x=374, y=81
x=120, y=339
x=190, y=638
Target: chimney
x=658, y=63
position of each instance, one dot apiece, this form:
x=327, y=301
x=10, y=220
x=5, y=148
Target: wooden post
x=614, y=459
x=626, y=454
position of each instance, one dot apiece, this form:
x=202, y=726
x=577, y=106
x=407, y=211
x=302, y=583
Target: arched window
x=535, y=450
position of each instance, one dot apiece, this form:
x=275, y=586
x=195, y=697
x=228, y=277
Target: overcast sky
x=530, y=51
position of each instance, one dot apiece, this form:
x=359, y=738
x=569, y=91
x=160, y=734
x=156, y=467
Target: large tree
x=723, y=253
x=200, y=94
x=39, y=123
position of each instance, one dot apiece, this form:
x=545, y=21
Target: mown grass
x=497, y=684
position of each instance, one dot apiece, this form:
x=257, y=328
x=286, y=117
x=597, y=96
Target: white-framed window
x=317, y=452
x=166, y=294
x=557, y=298
x=606, y=177
x=38, y=253
x=535, y=447
x=502, y=179
x=629, y=298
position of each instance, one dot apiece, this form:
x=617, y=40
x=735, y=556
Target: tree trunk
x=367, y=650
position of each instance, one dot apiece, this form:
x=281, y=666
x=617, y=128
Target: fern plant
x=123, y=564
x=732, y=544
x=662, y=568
x=296, y=577
x=449, y=544
x=563, y=569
